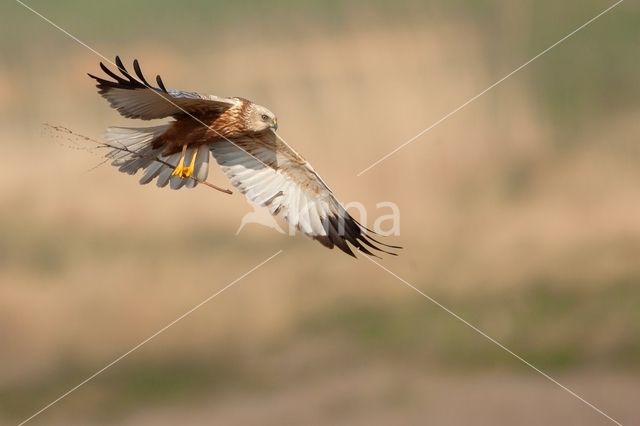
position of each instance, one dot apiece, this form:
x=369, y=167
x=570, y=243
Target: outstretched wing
x=136, y=98
x=272, y=174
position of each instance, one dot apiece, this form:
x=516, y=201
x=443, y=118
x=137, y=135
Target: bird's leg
x=188, y=171
x=179, y=170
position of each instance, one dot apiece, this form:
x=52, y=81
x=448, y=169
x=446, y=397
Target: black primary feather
x=129, y=82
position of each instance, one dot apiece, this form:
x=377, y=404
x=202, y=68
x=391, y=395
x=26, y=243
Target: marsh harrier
x=241, y=137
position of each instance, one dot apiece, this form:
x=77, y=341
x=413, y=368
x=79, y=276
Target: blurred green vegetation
x=555, y=328
x=550, y=325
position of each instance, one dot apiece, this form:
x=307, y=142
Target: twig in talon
x=210, y=185
x=123, y=148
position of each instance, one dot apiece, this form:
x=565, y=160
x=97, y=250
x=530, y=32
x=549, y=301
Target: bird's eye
x=265, y=117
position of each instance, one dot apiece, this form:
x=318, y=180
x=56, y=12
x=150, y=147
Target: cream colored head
x=260, y=118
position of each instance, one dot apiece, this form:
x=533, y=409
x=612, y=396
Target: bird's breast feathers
x=231, y=123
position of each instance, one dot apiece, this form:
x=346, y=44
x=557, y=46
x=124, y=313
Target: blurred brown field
x=519, y=213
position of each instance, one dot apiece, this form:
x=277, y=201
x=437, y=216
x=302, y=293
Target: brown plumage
x=242, y=139
x=187, y=131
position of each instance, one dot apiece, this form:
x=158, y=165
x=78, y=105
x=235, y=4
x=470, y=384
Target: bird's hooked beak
x=274, y=124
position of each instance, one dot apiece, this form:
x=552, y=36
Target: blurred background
x=521, y=213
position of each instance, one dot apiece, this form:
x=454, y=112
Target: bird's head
x=260, y=118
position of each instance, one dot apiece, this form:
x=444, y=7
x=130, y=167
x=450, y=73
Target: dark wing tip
x=128, y=82
x=120, y=65
x=370, y=231
x=351, y=232
x=160, y=83
x=383, y=244
x=138, y=71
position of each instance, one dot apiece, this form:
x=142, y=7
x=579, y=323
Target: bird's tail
x=133, y=150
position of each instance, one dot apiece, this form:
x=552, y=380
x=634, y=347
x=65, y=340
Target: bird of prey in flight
x=240, y=136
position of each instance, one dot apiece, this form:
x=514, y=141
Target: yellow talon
x=180, y=169
x=192, y=166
